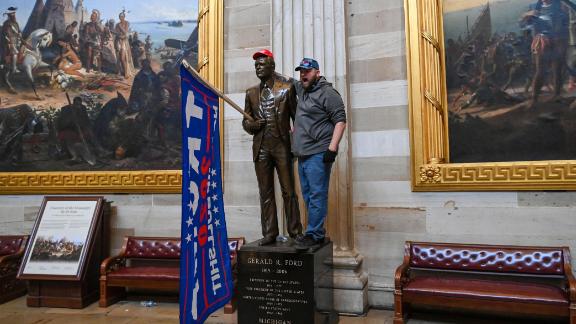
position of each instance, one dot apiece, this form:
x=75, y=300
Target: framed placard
x=63, y=236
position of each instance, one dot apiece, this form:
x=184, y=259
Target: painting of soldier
x=511, y=79
x=93, y=85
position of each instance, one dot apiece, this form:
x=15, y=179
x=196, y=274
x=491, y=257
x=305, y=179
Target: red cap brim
x=262, y=53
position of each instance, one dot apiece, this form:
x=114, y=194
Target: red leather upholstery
x=525, y=292
x=10, y=244
x=499, y=279
x=146, y=273
x=153, y=248
x=11, y=254
x=541, y=261
x=153, y=264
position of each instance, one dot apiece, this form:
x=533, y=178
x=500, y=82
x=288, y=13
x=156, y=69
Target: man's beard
x=312, y=82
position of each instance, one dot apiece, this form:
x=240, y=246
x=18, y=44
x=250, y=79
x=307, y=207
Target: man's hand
x=329, y=156
x=256, y=125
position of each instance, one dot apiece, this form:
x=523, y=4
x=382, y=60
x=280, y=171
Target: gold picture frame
x=428, y=111
x=211, y=67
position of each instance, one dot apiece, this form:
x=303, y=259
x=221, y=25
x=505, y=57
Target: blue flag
x=205, y=275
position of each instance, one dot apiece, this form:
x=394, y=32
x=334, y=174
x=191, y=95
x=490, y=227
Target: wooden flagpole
x=190, y=69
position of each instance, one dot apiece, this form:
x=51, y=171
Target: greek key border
x=169, y=181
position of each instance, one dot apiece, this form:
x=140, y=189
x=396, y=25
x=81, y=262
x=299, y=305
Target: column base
x=350, y=283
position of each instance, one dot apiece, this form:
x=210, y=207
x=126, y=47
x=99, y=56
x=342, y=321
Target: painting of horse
x=89, y=85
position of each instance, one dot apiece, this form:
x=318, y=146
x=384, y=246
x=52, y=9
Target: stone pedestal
x=350, y=283
x=279, y=284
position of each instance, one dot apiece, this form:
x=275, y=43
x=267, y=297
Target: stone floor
x=131, y=312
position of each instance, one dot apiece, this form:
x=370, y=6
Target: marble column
x=317, y=29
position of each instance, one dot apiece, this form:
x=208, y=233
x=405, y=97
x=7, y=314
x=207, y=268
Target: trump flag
x=205, y=276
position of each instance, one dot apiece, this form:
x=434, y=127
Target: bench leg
x=230, y=307
x=399, y=308
x=110, y=295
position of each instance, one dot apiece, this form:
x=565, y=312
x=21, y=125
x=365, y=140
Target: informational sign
x=62, y=235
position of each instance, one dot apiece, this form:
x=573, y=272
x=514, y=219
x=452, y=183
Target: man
x=75, y=132
x=68, y=61
x=138, y=51
x=70, y=36
x=272, y=104
x=11, y=39
x=148, y=47
x=93, y=41
x=145, y=99
x=550, y=26
x=318, y=128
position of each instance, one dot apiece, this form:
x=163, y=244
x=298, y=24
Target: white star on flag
x=217, y=222
x=214, y=197
x=190, y=205
x=215, y=209
x=188, y=238
x=189, y=221
x=213, y=185
x=213, y=172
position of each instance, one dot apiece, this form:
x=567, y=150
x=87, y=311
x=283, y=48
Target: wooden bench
x=149, y=263
x=12, y=248
x=505, y=280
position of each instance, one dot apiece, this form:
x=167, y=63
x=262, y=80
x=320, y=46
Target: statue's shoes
x=267, y=241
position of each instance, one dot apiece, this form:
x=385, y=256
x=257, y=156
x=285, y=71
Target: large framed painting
x=90, y=94
x=62, y=238
x=492, y=92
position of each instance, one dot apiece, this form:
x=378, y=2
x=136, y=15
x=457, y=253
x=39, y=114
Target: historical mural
x=93, y=85
x=511, y=79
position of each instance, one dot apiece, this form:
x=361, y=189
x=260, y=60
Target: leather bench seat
x=500, y=290
x=145, y=273
x=150, y=263
x=502, y=280
x=12, y=248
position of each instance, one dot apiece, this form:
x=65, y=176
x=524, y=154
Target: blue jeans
x=314, y=180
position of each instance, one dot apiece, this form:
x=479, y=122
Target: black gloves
x=329, y=156
x=254, y=126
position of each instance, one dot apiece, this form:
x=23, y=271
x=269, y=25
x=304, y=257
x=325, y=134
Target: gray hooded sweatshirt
x=319, y=109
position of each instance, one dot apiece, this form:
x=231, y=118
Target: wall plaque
x=277, y=284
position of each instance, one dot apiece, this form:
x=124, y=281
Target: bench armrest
x=115, y=262
x=571, y=285
x=112, y=263
x=10, y=262
x=401, y=274
x=570, y=280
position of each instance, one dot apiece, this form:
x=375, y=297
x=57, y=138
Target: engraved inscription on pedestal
x=278, y=285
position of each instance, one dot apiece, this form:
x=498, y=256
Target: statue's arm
x=292, y=101
x=248, y=110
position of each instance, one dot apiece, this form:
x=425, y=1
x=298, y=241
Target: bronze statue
x=272, y=104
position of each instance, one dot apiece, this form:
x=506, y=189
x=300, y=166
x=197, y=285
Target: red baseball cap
x=261, y=53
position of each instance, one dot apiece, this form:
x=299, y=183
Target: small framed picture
x=62, y=238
